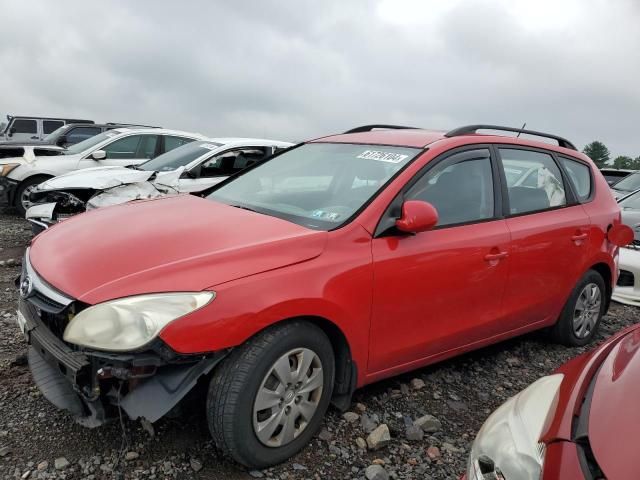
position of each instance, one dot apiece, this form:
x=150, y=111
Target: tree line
x=599, y=153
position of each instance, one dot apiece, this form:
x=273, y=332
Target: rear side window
x=460, y=190
x=49, y=126
x=79, y=134
x=174, y=142
x=534, y=181
x=580, y=177
x=22, y=125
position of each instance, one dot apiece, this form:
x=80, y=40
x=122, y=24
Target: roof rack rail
x=470, y=129
x=368, y=128
x=131, y=125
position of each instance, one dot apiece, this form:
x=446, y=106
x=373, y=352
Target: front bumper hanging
x=93, y=385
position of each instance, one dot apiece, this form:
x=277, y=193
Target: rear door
x=549, y=236
x=440, y=290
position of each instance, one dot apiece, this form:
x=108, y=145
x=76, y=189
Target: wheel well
x=39, y=176
x=346, y=375
x=604, y=270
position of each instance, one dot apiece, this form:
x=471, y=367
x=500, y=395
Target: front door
x=442, y=289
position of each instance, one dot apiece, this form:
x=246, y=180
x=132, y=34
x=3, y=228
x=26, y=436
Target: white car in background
x=627, y=289
x=192, y=168
x=117, y=147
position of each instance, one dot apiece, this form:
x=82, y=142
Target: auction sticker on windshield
x=381, y=156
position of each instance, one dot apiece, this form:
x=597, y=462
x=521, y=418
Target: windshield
x=632, y=202
x=629, y=183
x=180, y=156
x=317, y=185
x=53, y=136
x=90, y=142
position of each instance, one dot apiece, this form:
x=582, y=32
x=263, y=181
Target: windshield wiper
x=244, y=208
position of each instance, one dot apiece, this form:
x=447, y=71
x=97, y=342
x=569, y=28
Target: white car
x=191, y=168
x=117, y=147
x=627, y=289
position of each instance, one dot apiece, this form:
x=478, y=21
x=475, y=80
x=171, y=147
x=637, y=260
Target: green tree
x=623, y=162
x=598, y=152
x=635, y=165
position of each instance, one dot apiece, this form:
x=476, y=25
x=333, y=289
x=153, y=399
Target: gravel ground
x=452, y=399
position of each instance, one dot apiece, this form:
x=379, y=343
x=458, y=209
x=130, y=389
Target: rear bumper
x=8, y=189
x=92, y=386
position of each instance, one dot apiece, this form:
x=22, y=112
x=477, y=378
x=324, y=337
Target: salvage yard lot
x=460, y=393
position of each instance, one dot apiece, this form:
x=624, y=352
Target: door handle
x=580, y=237
x=492, y=257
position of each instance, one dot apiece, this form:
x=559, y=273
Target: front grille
x=626, y=279
x=45, y=303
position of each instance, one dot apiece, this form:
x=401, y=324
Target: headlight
x=507, y=445
x=132, y=322
x=5, y=169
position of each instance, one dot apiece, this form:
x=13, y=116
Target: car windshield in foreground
x=317, y=185
x=629, y=183
x=90, y=142
x=632, y=202
x=180, y=156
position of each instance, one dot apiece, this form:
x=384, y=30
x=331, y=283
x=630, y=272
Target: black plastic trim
x=368, y=128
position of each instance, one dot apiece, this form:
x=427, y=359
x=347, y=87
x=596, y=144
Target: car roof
x=161, y=131
x=422, y=138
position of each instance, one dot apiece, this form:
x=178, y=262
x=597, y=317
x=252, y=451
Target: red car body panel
x=614, y=416
x=401, y=302
x=561, y=462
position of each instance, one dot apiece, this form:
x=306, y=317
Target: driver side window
x=232, y=161
x=123, y=148
x=460, y=188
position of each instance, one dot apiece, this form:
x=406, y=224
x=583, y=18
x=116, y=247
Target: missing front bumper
x=92, y=386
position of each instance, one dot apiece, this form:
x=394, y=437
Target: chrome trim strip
x=40, y=285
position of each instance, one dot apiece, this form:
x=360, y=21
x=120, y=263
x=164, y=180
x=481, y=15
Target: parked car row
x=311, y=270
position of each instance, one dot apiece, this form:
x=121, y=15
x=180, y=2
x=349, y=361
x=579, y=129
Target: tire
x=26, y=186
x=571, y=329
x=233, y=392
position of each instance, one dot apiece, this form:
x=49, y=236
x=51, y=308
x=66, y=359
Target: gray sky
x=293, y=70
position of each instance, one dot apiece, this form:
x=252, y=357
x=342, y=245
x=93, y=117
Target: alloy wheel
x=288, y=397
x=24, y=198
x=587, y=310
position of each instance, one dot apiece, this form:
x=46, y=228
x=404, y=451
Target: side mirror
x=61, y=141
x=12, y=130
x=417, y=216
x=620, y=235
x=99, y=155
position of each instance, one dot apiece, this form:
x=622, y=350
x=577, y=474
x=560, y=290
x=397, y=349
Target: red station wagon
x=334, y=264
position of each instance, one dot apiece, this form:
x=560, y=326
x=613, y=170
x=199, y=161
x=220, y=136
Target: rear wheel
x=268, y=398
x=22, y=201
x=581, y=316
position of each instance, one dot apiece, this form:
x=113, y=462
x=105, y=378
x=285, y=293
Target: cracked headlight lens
x=507, y=445
x=132, y=322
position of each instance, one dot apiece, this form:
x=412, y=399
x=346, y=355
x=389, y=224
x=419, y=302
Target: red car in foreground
x=579, y=423
x=334, y=264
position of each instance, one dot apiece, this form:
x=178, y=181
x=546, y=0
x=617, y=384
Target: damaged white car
x=191, y=168
x=627, y=289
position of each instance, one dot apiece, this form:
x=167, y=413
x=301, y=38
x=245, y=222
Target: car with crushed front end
x=578, y=423
x=331, y=265
x=116, y=147
x=191, y=168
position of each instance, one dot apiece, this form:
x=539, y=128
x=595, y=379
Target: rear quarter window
x=580, y=178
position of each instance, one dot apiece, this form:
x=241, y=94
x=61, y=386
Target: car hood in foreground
x=181, y=243
x=614, y=415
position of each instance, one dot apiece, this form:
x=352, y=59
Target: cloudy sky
x=297, y=69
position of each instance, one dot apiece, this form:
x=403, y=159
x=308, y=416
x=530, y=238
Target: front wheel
x=267, y=399
x=23, y=193
x=581, y=316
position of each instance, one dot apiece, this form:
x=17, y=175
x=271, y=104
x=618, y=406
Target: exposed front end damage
x=54, y=204
x=94, y=385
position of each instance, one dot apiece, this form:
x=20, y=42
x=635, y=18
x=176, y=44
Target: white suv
x=118, y=147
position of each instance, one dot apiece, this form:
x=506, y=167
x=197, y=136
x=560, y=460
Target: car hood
x=614, y=415
x=18, y=143
x=180, y=243
x=96, y=178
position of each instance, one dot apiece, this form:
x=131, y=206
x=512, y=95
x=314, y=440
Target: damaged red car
x=334, y=264
x=565, y=425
